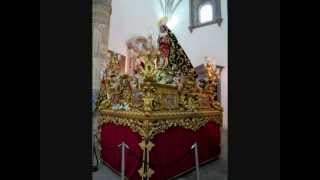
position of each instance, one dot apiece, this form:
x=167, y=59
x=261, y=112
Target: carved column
x=101, y=13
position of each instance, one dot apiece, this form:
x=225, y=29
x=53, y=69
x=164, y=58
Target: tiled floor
x=216, y=170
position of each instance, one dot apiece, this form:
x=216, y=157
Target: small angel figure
x=179, y=83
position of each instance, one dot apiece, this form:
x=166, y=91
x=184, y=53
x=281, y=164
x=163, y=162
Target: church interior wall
x=139, y=17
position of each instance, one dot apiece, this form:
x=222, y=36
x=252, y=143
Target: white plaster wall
x=210, y=40
x=130, y=18
x=139, y=17
x=224, y=96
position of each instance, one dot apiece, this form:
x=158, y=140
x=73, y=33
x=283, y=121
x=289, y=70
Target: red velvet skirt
x=171, y=156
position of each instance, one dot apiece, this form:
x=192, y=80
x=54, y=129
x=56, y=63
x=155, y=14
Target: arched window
x=205, y=13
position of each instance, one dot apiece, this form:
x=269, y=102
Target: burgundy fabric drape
x=171, y=154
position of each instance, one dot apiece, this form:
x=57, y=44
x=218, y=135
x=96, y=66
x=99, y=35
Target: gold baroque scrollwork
x=151, y=107
x=137, y=121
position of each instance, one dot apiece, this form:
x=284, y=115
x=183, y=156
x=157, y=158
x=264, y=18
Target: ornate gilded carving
x=149, y=104
x=213, y=77
x=189, y=102
x=150, y=124
x=145, y=171
x=149, y=70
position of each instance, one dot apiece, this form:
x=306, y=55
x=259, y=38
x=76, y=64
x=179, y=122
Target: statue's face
x=162, y=29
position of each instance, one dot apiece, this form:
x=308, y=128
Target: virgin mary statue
x=176, y=61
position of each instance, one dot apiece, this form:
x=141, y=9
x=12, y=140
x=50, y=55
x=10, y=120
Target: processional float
x=163, y=92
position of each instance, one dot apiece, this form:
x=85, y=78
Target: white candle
x=126, y=65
